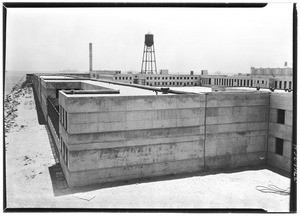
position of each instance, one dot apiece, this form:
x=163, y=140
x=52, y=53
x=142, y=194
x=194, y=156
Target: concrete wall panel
x=113, y=136
x=223, y=115
x=135, y=142
x=280, y=162
x=134, y=172
x=127, y=156
x=280, y=131
x=281, y=101
x=111, y=104
x=219, y=99
x=234, y=160
x=237, y=127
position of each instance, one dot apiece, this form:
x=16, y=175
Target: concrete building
x=174, y=80
x=110, y=131
x=285, y=83
x=286, y=71
x=159, y=80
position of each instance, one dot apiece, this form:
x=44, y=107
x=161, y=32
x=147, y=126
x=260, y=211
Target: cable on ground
x=273, y=189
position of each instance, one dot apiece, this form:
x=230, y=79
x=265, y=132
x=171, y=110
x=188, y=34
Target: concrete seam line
x=204, y=143
x=268, y=126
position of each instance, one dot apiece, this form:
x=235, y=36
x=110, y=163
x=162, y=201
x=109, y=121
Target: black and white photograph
x=149, y=107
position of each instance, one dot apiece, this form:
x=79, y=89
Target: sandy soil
x=29, y=159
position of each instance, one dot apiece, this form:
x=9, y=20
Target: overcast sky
x=185, y=39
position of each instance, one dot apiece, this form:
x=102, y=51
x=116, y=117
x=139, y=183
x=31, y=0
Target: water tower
x=148, y=61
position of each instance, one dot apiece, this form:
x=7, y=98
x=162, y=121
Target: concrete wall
x=236, y=129
x=283, y=131
x=88, y=86
x=117, y=138
x=48, y=88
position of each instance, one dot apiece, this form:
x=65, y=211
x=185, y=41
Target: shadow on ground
x=60, y=187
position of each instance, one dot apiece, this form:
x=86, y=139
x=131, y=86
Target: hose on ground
x=273, y=189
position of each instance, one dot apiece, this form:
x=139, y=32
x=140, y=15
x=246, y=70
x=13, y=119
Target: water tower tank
x=148, y=39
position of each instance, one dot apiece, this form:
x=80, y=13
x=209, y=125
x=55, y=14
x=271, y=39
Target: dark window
x=209, y=81
x=60, y=143
x=66, y=114
x=63, y=149
x=280, y=116
x=67, y=154
x=279, y=146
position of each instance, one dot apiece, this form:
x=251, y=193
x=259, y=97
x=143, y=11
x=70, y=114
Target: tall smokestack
x=91, y=56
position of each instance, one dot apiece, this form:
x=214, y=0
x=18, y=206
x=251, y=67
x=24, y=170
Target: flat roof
x=60, y=80
x=194, y=89
x=201, y=89
x=263, y=89
x=124, y=90
x=49, y=77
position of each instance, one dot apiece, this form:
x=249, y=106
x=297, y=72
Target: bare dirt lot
x=30, y=158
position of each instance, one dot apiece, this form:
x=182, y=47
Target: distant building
x=279, y=82
x=204, y=72
x=160, y=80
x=272, y=71
x=164, y=71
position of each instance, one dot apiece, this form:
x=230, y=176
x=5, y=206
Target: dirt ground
x=30, y=158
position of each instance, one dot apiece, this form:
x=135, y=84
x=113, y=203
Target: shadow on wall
x=38, y=109
x=52, y=145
